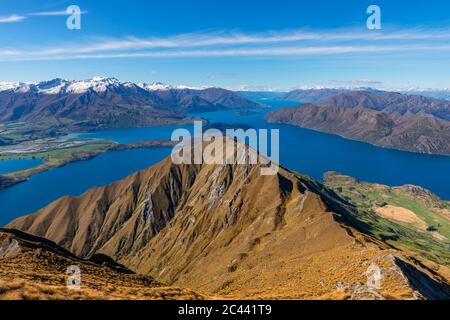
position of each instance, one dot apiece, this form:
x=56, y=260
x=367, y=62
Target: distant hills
x=431, y=93
x=424, y=134
x=390, y=102
x=110, y=103
x=387, y=119
x=227, y=231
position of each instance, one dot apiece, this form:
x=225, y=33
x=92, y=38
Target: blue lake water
x=314, y=153
x=9, y=166
x=74, y=179
x=133, y=134
x=302, y=150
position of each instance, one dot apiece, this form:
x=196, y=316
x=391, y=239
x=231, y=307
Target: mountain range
x=388, y=119
x=110, y=103
x=390, y=102
x=417, y=133
x=228, y=231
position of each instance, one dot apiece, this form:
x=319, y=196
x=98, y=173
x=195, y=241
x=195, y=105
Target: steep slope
x=35, y=268
x=390, y=102
x=406, y=216
x=110, y=103
x=424, y=134
x=229, y=231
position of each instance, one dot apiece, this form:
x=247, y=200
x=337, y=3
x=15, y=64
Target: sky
x=246, y=44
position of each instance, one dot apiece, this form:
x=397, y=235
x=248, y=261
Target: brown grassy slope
x=229, y=231
x=34, y=268
x=417, y=133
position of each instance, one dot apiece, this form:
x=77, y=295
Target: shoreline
x=13, y=178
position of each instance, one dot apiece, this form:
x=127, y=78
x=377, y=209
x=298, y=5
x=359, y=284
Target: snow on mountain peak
x=155, y=86
x=5, y=86
x=97, y=84
x=158, y=86
x=15, y=86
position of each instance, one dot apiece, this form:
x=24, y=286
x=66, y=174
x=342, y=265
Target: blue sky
x=234, y=44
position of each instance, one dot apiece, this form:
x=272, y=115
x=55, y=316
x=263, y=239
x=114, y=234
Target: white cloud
x=233, y=38
x=12, y=18
x=233, y=43
x=53, y=13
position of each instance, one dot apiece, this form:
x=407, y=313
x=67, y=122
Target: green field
x=57, y=157
x=364, y=197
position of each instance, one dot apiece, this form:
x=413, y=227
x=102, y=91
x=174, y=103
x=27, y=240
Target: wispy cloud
x=20, y=17
x=234, y=38
x=234, y=43
x=12, y=18
x=53, y=13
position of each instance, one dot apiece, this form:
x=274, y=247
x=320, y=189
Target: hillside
x=390, y=102
x=310, y=95
x=416, y=133
x=408, y=216
x=109, y=103
x=229, y=231
x=35, y=268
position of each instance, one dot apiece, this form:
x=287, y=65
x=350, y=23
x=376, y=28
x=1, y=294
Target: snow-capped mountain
x=158, y=86
x=109, y=102
x=96, y=84
x=14, y=86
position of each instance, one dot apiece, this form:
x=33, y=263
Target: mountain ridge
x=390, y=102
x=206, y=227
x=109, y=103
x=416, y=133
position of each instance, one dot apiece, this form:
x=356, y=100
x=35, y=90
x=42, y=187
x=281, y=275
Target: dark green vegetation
x=369, y=201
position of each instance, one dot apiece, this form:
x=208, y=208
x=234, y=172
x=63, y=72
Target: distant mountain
x=310, y=95
x=417, y=133
x=229, y=231
x=261, y=95
x=36, y=268
x=431, y=93
x=108, y=102
x=390, y=102
x=316, y=95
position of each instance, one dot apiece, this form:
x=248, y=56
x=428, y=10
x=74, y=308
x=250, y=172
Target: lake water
x=302, y=150
x=74, y=179
x=8, y=166
x=133, y=134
